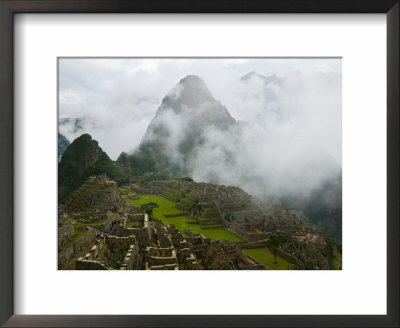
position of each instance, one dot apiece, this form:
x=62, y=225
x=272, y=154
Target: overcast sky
x=118, y=97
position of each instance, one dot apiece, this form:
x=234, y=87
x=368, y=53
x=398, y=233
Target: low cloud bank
x=289, y=144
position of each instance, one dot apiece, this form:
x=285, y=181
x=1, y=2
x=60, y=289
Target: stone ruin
x=127, y=240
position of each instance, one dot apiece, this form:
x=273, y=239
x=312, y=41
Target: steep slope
x=179, y=127
x=82, y=158
x=322, y=206
x=63, y=143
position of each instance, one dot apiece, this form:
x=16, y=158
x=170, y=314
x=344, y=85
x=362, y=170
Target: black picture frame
x=10, y=7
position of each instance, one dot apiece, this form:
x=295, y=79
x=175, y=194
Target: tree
x=274, y=242
x=196, y=209
x=148, y=208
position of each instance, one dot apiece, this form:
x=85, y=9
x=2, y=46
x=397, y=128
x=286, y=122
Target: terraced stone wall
x=72, y=250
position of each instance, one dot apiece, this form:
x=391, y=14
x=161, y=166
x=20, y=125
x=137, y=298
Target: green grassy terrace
x=265, y=256
x=168, y=207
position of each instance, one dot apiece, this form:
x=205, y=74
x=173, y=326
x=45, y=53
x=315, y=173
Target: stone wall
x=156, y=261
x=65, y=232
x=143, y=235
x=160, y=256
x=258, y=236
x=287, y=256
x=210, y=222
x=136, y=217
x=82, y=264
x=131, y=259
x=73, y=249
x=120, y=242
x=107, y=224
x=172, y=215
x=219, y=226
x=254, y=267
x=236, y=228
x=165, y=267
x=190, y=263
x=255, y=244
x=169, y=197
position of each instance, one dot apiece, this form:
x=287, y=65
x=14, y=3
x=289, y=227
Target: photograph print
x=199, y=163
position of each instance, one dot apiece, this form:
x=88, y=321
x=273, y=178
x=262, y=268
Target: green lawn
x=207, y=219
x=165, y=206
x=168, y=207
x=265, y=256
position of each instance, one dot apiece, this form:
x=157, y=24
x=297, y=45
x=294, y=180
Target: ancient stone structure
x=65, y=232
x=109, y=234
x=98, y=192
x=71, y=250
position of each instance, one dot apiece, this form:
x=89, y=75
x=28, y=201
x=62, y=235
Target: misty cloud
x=290, y=141
x=119, y=97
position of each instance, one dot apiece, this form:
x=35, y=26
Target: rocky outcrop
x=81, y=159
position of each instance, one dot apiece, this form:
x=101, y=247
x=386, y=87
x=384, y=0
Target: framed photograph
x=199, y=164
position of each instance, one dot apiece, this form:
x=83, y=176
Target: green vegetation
x=126, y=192
x=133, y=224
x=82, y=198
x=211, y=226
x=208, y=210
x=186, y=179
x=182, y=222
x=78, y=232
x=172, y=195
x=244, y=211
x=206, y=219
x=333, y=252
x=153, y=176
x=148, y=208
x=97, y=223
x=187, y=194
x=81, y=159
x=274, y=242
x=165, y=206
x=265, y=256
x=187, y=201
x=174, y=190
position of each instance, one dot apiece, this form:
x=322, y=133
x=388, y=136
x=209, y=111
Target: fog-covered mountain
x=193, y=134
x=181, y=128
x=282, y=156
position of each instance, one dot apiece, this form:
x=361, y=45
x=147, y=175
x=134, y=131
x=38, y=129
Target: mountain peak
x=181, y=122
x=251, y=75
x=191, y=99
x=267, y=79
x=191, y=79
x=190, y=92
